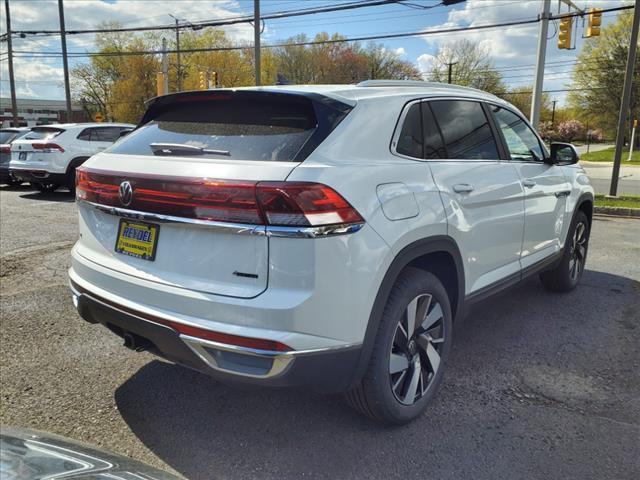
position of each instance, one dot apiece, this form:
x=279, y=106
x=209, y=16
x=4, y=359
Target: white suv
x=48, y=155
x=325, y=236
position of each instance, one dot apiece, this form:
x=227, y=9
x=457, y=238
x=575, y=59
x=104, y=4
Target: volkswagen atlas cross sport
x=322, y=236
x=48, y=155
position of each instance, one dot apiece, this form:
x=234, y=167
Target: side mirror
x=563, y=154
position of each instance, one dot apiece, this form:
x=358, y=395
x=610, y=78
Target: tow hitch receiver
x=136, y=342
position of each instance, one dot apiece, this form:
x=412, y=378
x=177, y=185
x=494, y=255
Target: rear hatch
x=175, y=201
x=30, y=151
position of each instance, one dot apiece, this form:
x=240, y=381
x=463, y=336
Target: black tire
x=71, y=180
x=14, y=182
x=45, y=187
x=379, y=395
x=567, y=274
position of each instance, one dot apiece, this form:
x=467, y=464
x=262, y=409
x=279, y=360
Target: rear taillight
x=47, y=147
x=5, y=149
x=298, y=204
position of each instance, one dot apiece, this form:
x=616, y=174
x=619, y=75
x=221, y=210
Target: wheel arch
x=75, y=163
x=583, y=204
x=439, y=255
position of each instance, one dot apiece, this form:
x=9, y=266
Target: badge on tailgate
x=137, y=239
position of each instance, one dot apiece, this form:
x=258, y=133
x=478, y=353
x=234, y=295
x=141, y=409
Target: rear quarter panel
x=356, y=161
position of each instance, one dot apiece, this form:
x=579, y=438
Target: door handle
x=564, y=193
x=463, y=188
x=529, y=183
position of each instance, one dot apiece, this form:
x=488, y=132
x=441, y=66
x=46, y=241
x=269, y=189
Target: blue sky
x=512, y=49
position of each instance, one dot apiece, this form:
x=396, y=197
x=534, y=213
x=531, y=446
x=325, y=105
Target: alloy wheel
x=578, y=252
x=416, y=350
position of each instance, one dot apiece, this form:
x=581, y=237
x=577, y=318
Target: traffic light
x=564, y=33
x=202, y=76
x=594, y=22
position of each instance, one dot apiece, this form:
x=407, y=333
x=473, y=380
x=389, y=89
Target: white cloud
x=514, y=45
x=425, y=62
x=400, y=51
x=42, y=77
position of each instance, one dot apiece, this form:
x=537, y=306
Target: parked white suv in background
x=325, y=236
x=48, y=155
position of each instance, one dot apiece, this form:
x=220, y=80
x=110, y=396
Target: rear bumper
x=328, y=370
x=34, y=175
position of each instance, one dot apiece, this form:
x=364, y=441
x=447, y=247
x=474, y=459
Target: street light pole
x=65, y=63
x=542, y=52
x=12, y=81
x=256, y=38
x=626, y=100
x=553, y=113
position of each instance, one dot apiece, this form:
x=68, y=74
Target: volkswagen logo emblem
x=125, y=193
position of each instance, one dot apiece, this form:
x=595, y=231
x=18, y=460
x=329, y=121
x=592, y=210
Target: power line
x=224, y=21
x=316, y=42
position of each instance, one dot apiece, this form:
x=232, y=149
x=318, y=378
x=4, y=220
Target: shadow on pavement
x=504, y=410
x=57, y=196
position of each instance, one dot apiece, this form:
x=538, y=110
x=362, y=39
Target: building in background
x=32, y=112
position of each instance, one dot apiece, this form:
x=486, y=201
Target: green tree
x=472, y=67
x=520, y=97
x=599, y=74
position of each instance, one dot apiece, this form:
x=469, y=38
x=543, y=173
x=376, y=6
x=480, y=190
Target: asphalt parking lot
x=538, y=385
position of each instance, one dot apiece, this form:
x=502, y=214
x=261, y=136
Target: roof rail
x=412, y=83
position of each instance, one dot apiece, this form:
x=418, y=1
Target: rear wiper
x=183, y=149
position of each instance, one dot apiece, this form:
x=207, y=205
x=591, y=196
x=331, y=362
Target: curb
x=617, y=211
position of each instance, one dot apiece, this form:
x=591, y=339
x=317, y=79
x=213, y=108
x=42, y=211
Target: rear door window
x=433, y=145
x=85, y=134
x=105, y=134
x=465, y=129
x=245, y=126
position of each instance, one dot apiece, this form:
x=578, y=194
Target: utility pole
x=256, y=38
x=536, y=100
x=451, y=64
x=178, y=63
x=626, y=100
x=553, y=113
x=12, y=81
x=165, y=67
x=65, y=63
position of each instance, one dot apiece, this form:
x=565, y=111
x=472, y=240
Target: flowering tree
x=569, y=130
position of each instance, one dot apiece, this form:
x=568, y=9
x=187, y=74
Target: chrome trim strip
x=157, y=217
x=240, y=228
x=280, y=360
x=313, y=232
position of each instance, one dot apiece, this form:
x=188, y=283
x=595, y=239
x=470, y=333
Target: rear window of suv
x=245, y=126
x=43, y=133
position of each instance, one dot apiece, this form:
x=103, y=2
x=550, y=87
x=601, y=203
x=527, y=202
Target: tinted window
x=7, y=137
x=43, y=133
x=410, y=139
x=521, y=141
x=227, y=127
x=433, y=146
x=85, y=134
x=105, y=134
x=466, y=131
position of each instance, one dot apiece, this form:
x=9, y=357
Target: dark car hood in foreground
x=31, y=455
